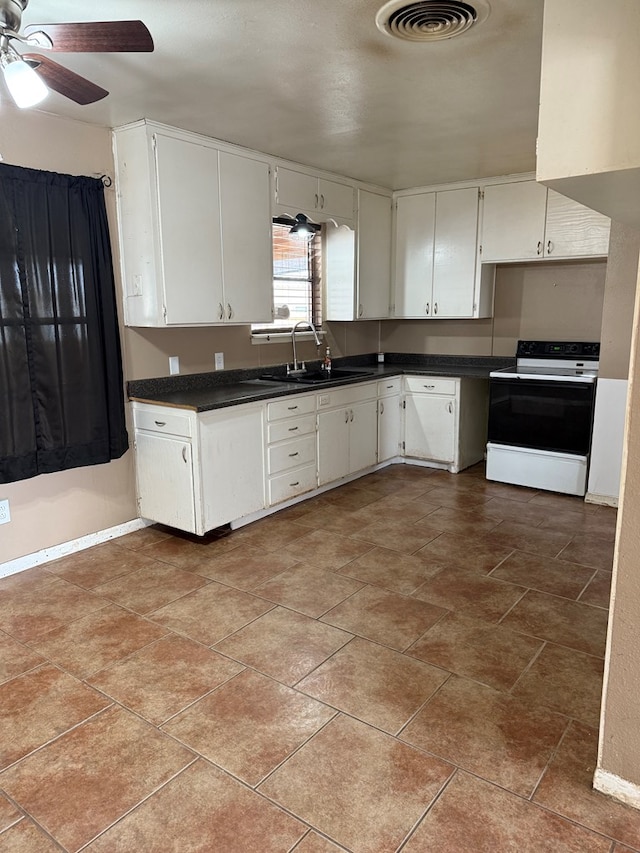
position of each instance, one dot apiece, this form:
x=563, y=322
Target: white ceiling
x=316, y=82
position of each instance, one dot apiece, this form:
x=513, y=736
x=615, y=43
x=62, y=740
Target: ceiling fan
x=29, y=76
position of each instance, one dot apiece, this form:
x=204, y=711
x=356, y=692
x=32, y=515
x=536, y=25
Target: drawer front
x=430, y=385
x=387, y=387
x=292, y=454
x=294, y=428
x=291, y=484
x=164, y=420
x=338, y=397
x=291, y=407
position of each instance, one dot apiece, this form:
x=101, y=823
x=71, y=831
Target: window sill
x=281, y=337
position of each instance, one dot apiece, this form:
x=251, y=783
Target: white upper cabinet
x=523, y=221
x=183, y=206
x=436, y=270
x=306, y=193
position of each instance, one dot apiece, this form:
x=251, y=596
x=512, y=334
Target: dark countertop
x=202, y=392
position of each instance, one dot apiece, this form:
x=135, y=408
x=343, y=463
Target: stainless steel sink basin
x=314, y=377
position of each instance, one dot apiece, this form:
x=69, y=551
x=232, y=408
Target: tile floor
x=410, y=662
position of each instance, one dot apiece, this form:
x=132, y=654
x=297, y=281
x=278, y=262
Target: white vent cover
x=429, y=20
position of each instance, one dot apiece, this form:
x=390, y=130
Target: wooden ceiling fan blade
x=96, y=37
x=64, y=81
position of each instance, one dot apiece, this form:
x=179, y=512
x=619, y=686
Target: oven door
x=541, y=414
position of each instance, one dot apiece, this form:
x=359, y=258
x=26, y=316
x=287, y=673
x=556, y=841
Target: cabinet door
x=232, y=463
x=189, y=220
x=574, y=230
x=414, y=240
x=296, y=189
x=247, y=259
x=333, y=445
x=335, y=199
x=388, y=427
x=164, y=474
x=374, y=255
x=513, y=221
x=429, y=427
x=363, y=438
x=455, y=252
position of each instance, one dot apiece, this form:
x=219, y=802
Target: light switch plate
x=5, y=515
x=174, y=364
x=219, y=361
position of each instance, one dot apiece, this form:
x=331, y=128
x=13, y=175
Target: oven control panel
x=559, y=349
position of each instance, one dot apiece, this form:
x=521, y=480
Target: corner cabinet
x=437, y=270
x=523, y=221
x=182, y=212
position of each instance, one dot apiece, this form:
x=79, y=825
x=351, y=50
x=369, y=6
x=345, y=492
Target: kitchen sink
x=314, y=377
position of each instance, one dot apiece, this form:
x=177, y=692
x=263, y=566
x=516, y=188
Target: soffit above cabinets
x=319, y=84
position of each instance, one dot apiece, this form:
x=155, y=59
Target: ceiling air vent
x=429, y=20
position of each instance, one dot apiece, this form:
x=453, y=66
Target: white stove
x=541, y=415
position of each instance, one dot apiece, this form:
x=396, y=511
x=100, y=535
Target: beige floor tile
x=308, y=589
x=479, y=650
x=487, y=733
x=384, y=617
x=323, y=784
x=598, y=592
x=146, y=536
x=473, y=815
x=374, y=684
x=335, y=520
x=464, y=522
x=249, y=725
x=454, y=498
x=472, y=593
x=582, y=522
x=9, y=814
x=98, y=565
x=284, y=644
x=203, y=810
x=520, y=511
x=245, y=567
x=150, y=588
x=566, y=623
x=269, y=534
x=24, y=837
x=16, y=658
x=39, y=706
x=326, y=550
x=98, y=640
x=479, y=553
x=314, y=843
x=398, y=535
x=164, y=677
x=211, y=613
x=590, y=551
x=99, y=771
x=545, y=574
x=400, y=573
x=183, y=552
x=534, y=540
x=566, y=788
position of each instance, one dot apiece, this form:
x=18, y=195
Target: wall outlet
x=219, y=361
x=5, y=515
x=174, y=364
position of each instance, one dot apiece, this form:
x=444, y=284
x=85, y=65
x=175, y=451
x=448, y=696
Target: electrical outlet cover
x=5, y=515
x=219, y=361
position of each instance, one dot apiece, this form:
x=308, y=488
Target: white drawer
x=338, y=397
x=292, y=454
x=293, y=428
x=288, y=485
x=431, y=385
x=291, y=407
x=163, y=420
x=387, y=387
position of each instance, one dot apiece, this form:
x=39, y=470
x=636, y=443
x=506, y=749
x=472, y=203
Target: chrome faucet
x=297, y=370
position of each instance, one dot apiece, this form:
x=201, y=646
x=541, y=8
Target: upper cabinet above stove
x=523, y=221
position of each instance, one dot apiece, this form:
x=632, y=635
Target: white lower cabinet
x=445, y=420
x=291, y=448
x=347, y=431
x=389, y=418
x=197, y=472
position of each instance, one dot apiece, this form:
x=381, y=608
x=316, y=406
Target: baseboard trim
x=620, y=789
x=603, y=500
x=65, y=548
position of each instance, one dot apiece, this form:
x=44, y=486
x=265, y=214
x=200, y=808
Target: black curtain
x=61, y=390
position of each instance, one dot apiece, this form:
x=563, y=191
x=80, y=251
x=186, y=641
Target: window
x=60, y=366
x=297, y=291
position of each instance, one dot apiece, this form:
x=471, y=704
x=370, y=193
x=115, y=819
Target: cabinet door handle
x=539, y=247
x=549, y=247
x=220, y=311
x=346, y=416
x=297, y=453
x=450, y=408
x=317, y=201
x=321, y=201
x=351, y=418
x=184, y=455
x=381, y=407
x=229, y=311
x=389, y=387
x=360, y=310
x=435, y=307
x=293, y=429
x=160, y=423
x=427, y=308
x=297, y=483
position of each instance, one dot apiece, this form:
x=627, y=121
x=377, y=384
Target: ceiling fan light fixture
x=24, y=85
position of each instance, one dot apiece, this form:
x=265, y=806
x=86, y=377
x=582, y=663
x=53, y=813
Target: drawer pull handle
x=184, y=455
x=430, y=387
x=160, y=423
x=389, y=387
x=297, y=453
x=291, y=408
x=293, y=429
x=297, y=483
